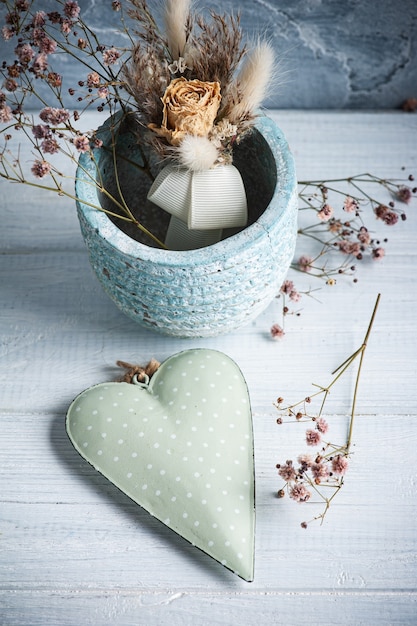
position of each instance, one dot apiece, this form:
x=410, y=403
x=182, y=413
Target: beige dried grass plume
x=252, y=82
x=176, y=16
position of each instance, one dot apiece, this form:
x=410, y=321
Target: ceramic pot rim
x=284, y=189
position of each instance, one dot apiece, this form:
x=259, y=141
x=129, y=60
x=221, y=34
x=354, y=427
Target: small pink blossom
x=41, y=131
x=340, y=465
x=50, y=146
x=300, y=493
x=71, y=9
x=287, y=286
x=380, y=211
x=404, y=194
x=93, y=79
x=325, y=213
x=364, y=236
x=24, y=53
x=110, y=56
x=54, y=116
x=390, y=218
x=287, y=471
x=22, y=5
x=39, y=19
x=40, y=169
x=40, y=64
x=313, y=437
x=82, y=143
x=66, y=26
x=349, y=247
x=295, y=295
x=350, y=205
x=304, y=263
x=305, y=460
x=7, y=33
x=102, y=92
x=335, y=226
x=378, y=253
x=320, y=471
x=277, y=332
x=322, y=426
x=5, y=114
x=47, y=45
x=10, y=84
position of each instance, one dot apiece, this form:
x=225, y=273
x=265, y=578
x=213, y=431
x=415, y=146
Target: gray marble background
x=331, y=54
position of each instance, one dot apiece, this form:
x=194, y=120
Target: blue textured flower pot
x=208, y=291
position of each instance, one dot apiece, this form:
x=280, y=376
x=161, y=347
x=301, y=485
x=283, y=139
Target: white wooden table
x=76, y=551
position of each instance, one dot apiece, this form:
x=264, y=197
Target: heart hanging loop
x=138, y=374
x=141, y=383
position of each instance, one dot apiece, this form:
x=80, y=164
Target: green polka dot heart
x=182, y=448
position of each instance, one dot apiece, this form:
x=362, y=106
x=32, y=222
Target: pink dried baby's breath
x=287, y=286
x=41, y=131
x=320, y=471
x=349, y=247
x=364, y=236
x=82, y=143
x=39, y=19
x=305, y=460
x=313, y=437
x=287, y=471
x=102, y=92
x=378, y=254
x=322, y=426
x=300, y=493
x=277, y=332
x=304, y=263
x=110, y=56
x=40, y=169
x=5, y=114
x=50, y=146
x=404, y=194
x=93, y=80
x=71, y=9
x=325, y=213
x=340, y=465
x=350, y=205
x=24, y=53
x=54, y=116
x=40, y=64
x=7, y=33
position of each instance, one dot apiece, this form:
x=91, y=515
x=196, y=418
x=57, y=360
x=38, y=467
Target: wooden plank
x=74, y=550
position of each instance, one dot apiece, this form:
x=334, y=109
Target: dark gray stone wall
x=331, y=54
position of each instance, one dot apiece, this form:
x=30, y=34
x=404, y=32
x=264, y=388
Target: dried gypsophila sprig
x=38, y=37
x=339, y=229
x=324, y=472
x=196, y=85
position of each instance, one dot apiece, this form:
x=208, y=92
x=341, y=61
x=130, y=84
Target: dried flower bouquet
x=191, y=89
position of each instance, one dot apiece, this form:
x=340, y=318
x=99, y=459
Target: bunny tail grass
x=252, y=81
x=197, y=153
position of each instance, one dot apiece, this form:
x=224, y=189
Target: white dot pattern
x=193, y=442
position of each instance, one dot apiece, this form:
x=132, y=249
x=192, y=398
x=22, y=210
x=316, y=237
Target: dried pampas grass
x=176, y=18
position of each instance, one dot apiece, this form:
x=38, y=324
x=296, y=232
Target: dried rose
x=190, y=108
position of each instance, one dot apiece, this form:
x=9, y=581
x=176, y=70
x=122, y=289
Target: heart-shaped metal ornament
x=182, y=448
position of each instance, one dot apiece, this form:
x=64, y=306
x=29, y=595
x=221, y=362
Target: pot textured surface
x=210, y=290
x=182, y=448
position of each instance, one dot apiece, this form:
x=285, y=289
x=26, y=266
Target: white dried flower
x=197, y=153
